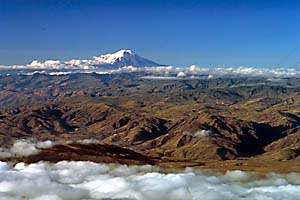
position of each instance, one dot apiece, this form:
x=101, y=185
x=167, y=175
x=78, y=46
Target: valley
x=221, y=123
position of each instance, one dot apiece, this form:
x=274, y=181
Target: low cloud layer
x=87, y=180
x=54, y=67
x=197, y=72
x=128, y=61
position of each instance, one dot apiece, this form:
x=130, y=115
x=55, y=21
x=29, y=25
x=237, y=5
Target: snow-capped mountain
x=125, y=58
x=115, y=60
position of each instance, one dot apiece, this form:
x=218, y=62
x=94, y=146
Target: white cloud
x=44, y=144
x=88, y=180
x=24, y=148
x=56, y=67
x=48, y=197
x=89, y=141
x=181, y=74
x=199, y=133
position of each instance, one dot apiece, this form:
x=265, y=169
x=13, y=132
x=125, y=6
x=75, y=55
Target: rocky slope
x=182, y=122
x=86, y=152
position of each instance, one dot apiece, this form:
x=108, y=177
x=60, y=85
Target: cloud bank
x=171, y=72
x=197, y=72
x=87, y=180
x=127, y=61
x=24, y=148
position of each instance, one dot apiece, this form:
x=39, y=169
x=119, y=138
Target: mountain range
x=247, y=123
x=115, y=60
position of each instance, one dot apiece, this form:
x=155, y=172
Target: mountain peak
x=124, y=51
x=125, y=57
x=111, y=58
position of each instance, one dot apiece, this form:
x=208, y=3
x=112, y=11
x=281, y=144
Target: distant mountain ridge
x=121, y=58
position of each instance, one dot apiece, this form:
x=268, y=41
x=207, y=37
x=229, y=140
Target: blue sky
x=212, y=32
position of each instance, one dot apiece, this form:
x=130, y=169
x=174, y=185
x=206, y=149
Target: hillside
x=183, y=122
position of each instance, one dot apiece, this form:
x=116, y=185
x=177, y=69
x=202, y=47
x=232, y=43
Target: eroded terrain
x=220, y=123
